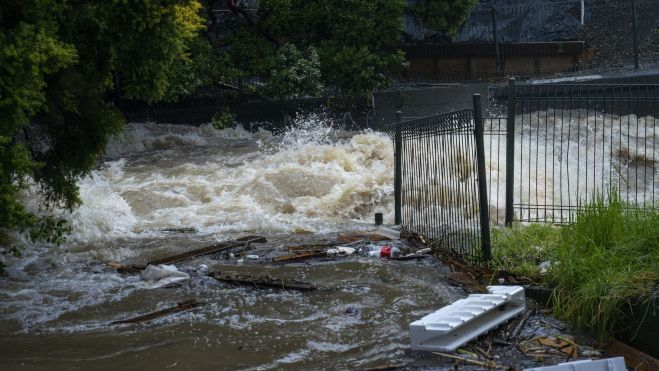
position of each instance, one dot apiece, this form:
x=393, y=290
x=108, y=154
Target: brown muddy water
x=304, y=185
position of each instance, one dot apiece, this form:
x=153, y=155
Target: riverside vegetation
x=595, y=266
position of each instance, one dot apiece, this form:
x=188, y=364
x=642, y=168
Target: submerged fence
x=440, y=188
x=557, y=148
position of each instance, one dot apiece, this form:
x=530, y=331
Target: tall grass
x=521, y=250
x=608, y=256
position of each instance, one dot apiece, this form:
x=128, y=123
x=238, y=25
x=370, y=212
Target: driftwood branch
x=181, y=307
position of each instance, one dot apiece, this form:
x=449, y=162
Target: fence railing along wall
x=437, y=181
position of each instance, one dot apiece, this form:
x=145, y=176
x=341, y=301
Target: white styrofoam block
x=607, y=364
x=455, y=324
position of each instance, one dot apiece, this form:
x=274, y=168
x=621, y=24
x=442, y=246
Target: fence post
x=398, y=175
x=635, y=31
x=482, y=180
x=510, y=152
x=496, y=41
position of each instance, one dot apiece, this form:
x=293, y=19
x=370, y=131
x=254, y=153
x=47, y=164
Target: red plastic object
x=385, y=252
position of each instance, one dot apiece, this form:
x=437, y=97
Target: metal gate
x=440, y=185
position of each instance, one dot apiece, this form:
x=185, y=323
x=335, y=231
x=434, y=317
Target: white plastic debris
x=544, y=266
x=251, y=256
x=154, y=276
x=607, y=364
x=456, y=324
x=341, y=250
x=202, y=268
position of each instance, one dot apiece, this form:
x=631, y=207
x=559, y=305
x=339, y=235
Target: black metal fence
x=569, y=142
x=557, y=147
x=439, y=192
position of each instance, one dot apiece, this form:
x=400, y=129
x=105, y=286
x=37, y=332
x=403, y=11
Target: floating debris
x=635, y=359
x=179, y=230
x=464, y=320
x=297, y=256
x=155, y=276
x=607, y=364
x=555, y=346
x=262, y=281
x=486, y=364
x=181, y=307
x=341, y=251
x=209, y=250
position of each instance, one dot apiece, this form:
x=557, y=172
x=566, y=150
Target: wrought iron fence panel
x=439, y=196
x=575, y=140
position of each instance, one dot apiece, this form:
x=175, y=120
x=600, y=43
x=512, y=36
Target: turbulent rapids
x=163, y=176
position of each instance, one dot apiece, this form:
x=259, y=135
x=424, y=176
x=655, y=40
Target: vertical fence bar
x=510, y=153
x=496, y=42
x=635, y=31
x=482, y=180
x=398, y=175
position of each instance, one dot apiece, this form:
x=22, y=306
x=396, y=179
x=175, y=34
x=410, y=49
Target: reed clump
x=595, y=266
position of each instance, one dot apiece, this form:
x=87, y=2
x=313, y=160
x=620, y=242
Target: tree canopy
x=62, y=64
x=299, y=47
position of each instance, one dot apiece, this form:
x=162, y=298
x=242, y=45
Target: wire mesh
x=439, y=190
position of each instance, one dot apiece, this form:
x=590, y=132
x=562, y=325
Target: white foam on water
x=311, y=178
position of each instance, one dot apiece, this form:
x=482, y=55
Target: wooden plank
x=634, y=358
x=208, y=250
x=261, y=281
x=307, y=247
x=181, y=307
x=299, y=256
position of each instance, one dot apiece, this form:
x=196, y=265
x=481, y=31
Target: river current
x=163, y=189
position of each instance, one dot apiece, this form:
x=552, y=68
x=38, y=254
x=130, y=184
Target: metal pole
x=510, y=152
x=583, y=12
x=635, y=30
x=482, y=180
x=496, y=41
x=398, y=175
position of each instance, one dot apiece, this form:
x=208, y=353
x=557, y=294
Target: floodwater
x=304, y=185
x=164, y=189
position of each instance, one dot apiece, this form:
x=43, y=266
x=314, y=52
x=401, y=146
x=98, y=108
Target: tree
x=442, y=15
x=62, y=65
x=356, y=42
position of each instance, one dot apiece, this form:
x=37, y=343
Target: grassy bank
x=596, y=265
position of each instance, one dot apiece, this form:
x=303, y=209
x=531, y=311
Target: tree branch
x=253, y=25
